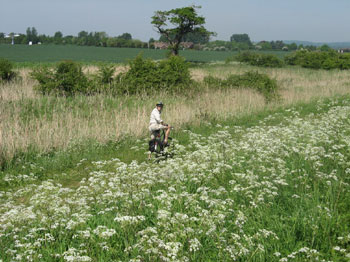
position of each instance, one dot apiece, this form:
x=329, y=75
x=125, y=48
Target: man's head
x=160, y=106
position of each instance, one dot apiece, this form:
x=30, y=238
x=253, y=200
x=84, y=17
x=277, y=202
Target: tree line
x=200, y=38
x=83, y=38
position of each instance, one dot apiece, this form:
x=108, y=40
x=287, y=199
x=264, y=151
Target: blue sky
x=309, y=20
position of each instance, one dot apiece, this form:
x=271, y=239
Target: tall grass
x=45, y=123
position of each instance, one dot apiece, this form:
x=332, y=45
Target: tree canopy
x=175, y=24
x=241, y=38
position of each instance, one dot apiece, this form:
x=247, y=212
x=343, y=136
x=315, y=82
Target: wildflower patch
x=262, y=193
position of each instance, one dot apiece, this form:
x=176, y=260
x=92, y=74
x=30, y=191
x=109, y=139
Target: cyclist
x=156, y=123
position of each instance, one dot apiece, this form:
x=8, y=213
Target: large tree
x=32, y=35
x=175, y=24
x=125, y=36
x=241, y=38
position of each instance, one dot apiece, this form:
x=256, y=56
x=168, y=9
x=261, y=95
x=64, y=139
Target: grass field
x=273, y=187
x=23, y=54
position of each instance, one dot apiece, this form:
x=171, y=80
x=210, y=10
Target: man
x=156, y=123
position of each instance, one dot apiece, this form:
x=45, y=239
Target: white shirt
x=155, y=117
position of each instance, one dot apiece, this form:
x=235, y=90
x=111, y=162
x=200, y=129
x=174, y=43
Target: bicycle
x=158, y=146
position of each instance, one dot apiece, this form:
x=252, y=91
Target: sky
x=307, y=20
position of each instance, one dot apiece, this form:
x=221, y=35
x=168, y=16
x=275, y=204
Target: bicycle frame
x=160, y=136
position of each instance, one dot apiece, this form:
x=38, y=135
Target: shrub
x=215, y=82
x=46, y=79
x=143, y=76
x=147, y=76
x=67, y=78
x=174, y=72
x=319, y=60
x=344, y=61
x=70, y=78
x=105, y=74
x=255, y=59
x=293, y=59
x=243, y=57
x=6, y=70
x=260, y=82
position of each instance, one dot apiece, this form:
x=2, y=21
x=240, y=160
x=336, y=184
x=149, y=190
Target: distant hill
x=334, y=45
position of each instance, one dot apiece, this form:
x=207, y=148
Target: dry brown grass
x=296, y=84
x=28, y=119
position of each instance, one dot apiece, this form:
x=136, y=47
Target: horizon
x=211, y=39
x=319, y=21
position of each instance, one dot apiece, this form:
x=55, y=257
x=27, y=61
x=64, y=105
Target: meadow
x=34, y=124
x=25, y=55
x=275, y=190
x=249, y=180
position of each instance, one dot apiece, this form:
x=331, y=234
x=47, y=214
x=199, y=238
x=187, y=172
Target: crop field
x=53, y=53
x=277, y=190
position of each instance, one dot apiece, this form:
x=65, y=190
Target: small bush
x=67, y=78
x=174, y=72
x=103, y=81
x=141, y=76
x=260, y=82
x=146, y=76
x=6, y=70
x=46, y=79
x=215, y=82
x=106, y=73
x=319, y=60
x=255, y=59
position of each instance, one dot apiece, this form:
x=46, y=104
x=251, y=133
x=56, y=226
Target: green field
x=87, y=54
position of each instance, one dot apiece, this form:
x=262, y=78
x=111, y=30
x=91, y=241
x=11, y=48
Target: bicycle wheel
x=158, y=146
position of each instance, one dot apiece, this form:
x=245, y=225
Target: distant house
x=164, y=45
x=187, y=45
x=161, y=45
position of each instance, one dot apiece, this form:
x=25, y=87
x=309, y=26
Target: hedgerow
x=255, y=59
x=143, y=76
x=319, y=60
x=257, y=81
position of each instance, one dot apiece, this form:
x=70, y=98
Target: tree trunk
x=175, y=49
